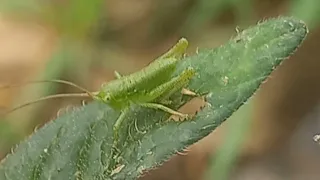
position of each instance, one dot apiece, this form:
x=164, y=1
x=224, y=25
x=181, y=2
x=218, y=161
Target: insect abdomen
x=145, y=80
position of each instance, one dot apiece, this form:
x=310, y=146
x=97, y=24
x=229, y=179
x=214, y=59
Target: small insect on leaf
x=148, y=87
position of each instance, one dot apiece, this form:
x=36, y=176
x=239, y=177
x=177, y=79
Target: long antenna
x=52, y=81
x=48, y=97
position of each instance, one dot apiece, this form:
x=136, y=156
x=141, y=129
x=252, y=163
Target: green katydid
x=150, y=87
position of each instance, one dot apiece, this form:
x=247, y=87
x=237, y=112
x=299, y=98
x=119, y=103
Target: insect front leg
x=118, y=123
x=165, y=90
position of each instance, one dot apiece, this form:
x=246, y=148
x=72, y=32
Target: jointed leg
x=164, y=91
x=175, y=85
x=188, y=92
x=164, y=108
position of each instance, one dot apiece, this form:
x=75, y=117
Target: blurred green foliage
x=307, y=10
x=226, y=156
x=205, y=11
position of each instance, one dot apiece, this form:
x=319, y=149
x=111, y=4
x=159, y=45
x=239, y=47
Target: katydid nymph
x=150, y=87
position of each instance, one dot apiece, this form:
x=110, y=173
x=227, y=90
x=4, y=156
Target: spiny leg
x=165, y=90
x=183, y=81
x=165, y=98
x=163, y=108
x=178, y=83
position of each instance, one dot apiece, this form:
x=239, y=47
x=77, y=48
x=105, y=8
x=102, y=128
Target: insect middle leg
x=165, y=90
x=164, y=108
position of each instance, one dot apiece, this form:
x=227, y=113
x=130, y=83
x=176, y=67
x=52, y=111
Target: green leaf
x=77, y=145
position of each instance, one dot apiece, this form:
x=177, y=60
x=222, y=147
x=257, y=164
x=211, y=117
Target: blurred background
x=271, y=137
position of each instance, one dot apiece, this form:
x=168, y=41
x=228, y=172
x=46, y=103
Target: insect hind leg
x=175, y=85
x=164, y=91
x=117, y=74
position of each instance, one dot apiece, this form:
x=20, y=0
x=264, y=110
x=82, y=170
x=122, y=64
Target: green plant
x=78, y=145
